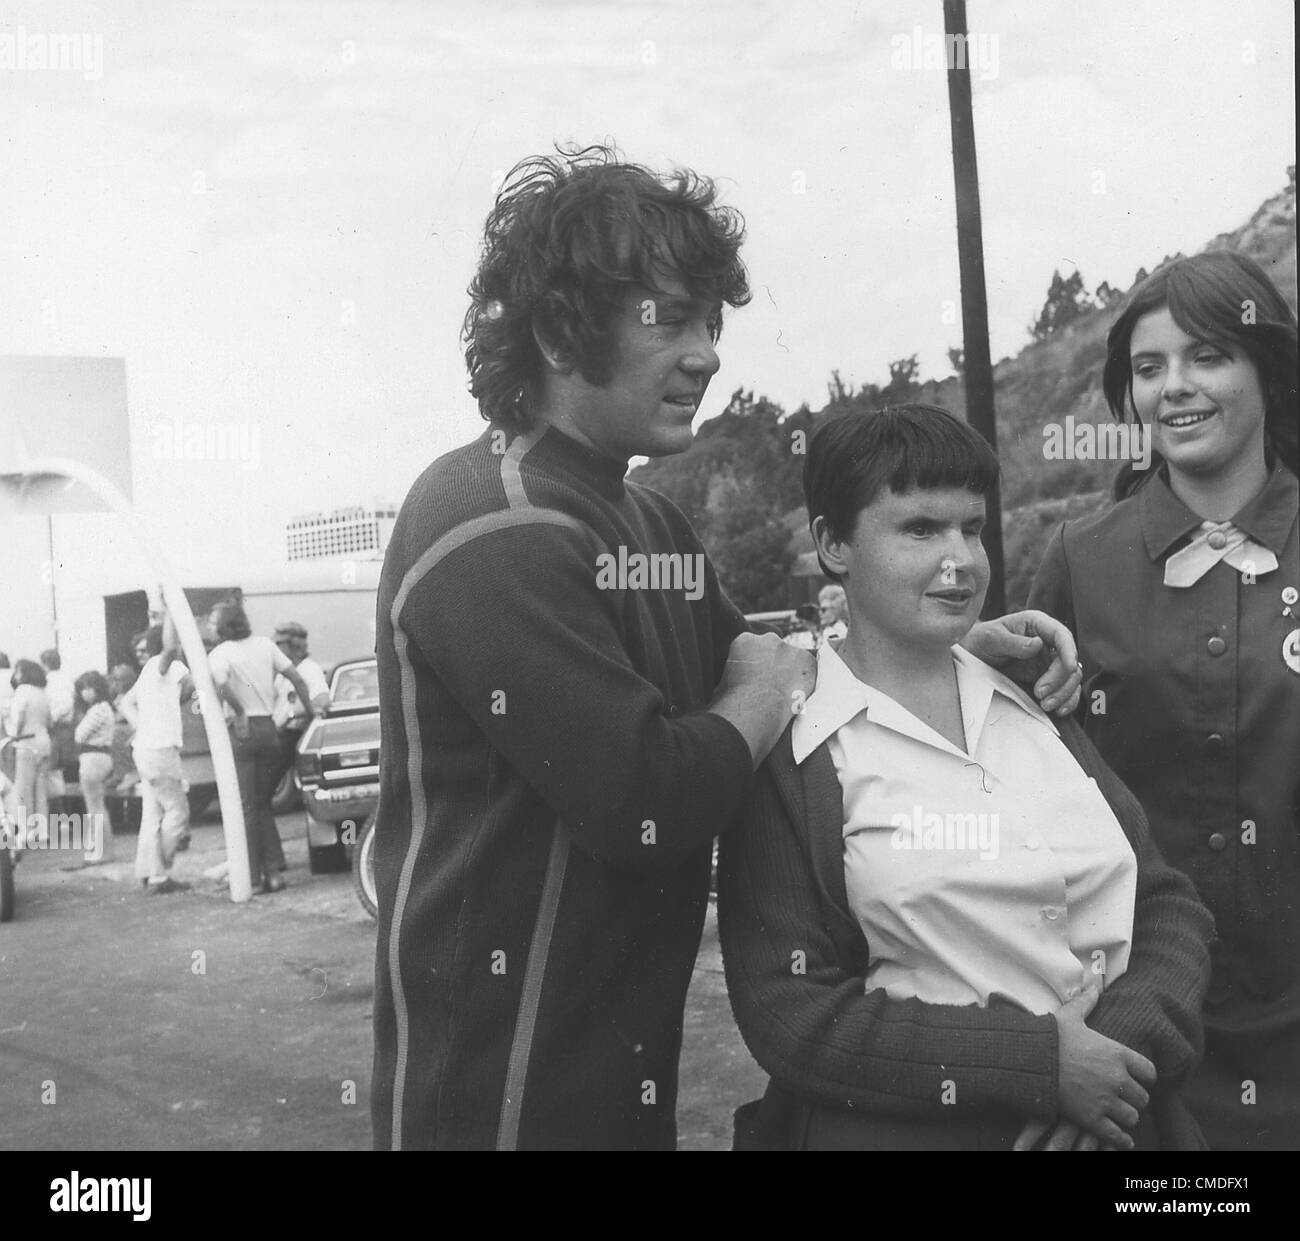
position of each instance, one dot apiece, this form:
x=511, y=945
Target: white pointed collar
x=839, y=697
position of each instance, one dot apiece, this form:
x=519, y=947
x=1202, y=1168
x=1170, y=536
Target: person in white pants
x=153, y=707
x=28, y=724
x=94, y=738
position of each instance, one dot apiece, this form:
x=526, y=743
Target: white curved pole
x=223, y=758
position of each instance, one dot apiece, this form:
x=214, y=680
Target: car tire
x=287, y=796
x=7, y=896
x=363, y=867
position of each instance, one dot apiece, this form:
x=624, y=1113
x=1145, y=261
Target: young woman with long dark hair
x=94, y=737
x=944, y=923
x=1183, y=600
x=28, y=724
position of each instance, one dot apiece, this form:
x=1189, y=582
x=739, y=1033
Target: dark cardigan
x=796, y=960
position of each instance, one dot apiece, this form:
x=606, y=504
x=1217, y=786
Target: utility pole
x=978, y=366
x=54, y=594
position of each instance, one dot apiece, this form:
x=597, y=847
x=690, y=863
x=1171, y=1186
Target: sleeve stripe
x=467, y=532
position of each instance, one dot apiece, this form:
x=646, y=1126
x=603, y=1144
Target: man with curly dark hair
x=552, y=778
x=571, y=709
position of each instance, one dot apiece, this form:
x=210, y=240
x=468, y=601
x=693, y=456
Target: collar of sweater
x=558, y=452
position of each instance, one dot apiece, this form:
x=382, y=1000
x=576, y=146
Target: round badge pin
x=1291, y=651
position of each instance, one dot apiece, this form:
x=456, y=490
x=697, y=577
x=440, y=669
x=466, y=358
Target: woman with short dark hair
x=944, y=922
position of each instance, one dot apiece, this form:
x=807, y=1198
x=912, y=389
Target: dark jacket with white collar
x=796, y=961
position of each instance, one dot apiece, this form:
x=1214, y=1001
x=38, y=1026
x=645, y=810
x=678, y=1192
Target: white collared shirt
x=998, y=872
x=287, y=707
x=62, y=696
x=248, y=668
x=157, y=697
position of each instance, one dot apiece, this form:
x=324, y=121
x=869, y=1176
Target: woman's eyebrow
x=913, y=518
x=1197, y=342
x=942, y=519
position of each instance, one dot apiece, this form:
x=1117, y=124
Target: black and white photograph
x=586, y=576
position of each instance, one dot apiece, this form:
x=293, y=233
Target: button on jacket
x=1191, y=698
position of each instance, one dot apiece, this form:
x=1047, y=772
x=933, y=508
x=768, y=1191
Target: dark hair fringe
x=853, y=457
x=567, y=236
x=96, y=681
x=1205, y=295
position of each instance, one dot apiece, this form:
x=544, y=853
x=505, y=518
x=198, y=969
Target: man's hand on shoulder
x=765, y=682
x=1032, y=648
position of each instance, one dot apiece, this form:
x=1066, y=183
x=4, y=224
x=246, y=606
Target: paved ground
x=186, y=1022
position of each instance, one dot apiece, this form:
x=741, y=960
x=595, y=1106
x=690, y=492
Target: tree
x=736, y=483
x=1066, y=300
x=748, y=543
x=1106, y=296
x=837, y=390
x=957, y=360
x=902, y=385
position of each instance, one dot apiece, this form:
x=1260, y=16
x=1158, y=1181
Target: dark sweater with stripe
x=550, y=787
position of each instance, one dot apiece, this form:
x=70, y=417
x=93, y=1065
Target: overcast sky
x=270, y=210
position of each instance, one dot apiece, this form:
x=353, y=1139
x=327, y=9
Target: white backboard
x=61, y=407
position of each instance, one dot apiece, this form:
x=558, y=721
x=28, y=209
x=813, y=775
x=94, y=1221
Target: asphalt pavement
x=185, y=1022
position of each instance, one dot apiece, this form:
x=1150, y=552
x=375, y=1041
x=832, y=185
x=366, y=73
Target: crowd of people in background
x=57, y=730
x=108, y=731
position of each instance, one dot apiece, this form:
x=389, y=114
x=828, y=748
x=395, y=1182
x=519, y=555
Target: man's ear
x=830, y=549
x=554, y=358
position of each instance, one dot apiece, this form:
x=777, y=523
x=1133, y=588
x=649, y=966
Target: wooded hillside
x=739, y=482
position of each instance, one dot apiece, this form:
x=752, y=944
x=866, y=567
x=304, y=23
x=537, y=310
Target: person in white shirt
x=94, y=737
x=58, y=688
x=244, y=667
x=942, y=897
x=152, y=706
x=63, y=703
x=288, y=714
x=833, y=608
x=28, y=725
x=6, y=692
